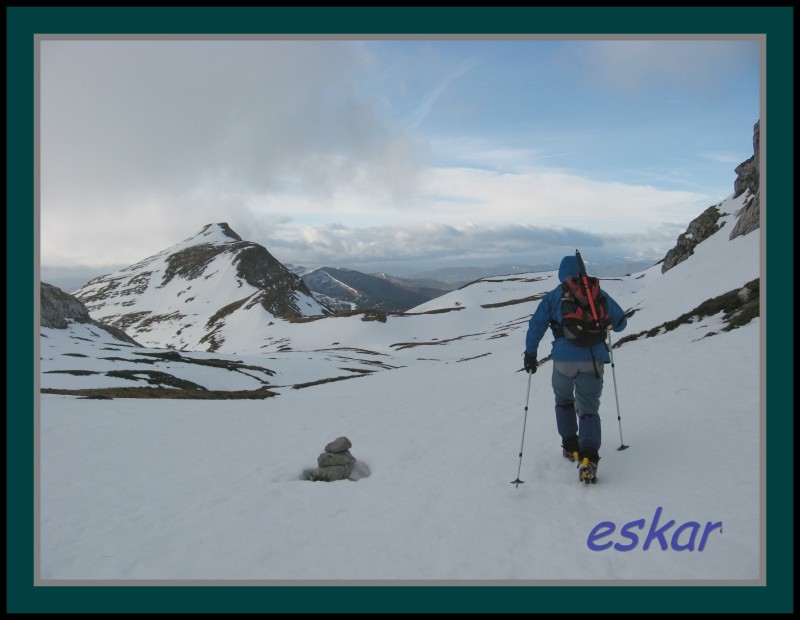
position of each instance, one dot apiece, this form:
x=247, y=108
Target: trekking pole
x=517, y=482
x=622, y=446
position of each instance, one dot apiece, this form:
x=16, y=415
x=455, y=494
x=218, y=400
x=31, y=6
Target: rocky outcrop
x=747, y=173
x=58, y=309
x=747, y=180
x=336, y=463
x=705, y=225
x=699, y=229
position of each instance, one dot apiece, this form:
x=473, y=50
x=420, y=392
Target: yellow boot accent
x=586, y=471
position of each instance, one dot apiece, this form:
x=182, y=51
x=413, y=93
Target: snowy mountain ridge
x=184, y=296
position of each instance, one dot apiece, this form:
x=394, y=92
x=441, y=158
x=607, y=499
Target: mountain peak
x=183, y=297
x=217, y=232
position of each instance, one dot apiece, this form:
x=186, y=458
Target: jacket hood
x=569, y=267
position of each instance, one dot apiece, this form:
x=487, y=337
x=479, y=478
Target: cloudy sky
x=396, y=155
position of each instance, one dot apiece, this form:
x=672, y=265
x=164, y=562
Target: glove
x=530, y=363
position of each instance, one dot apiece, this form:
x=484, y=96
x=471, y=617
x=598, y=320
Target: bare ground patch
x=161, y=392
x=408, y=345
x=300, y=386
x=512, y=302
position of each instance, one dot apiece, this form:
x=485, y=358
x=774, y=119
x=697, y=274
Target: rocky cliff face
x=699, y=229
x=747, y=180
x=183, y=296
x=58, y=309
x=702, y=227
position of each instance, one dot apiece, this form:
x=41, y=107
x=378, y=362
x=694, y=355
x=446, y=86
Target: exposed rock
x=745, y=294
x=748, y=171
x=336, y=463
x=58, y=308
x=747, y=180
x=340, y=444
x=748, y=217
x=699, y=230
x=331, y=459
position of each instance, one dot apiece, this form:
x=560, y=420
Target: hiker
x=577, y=370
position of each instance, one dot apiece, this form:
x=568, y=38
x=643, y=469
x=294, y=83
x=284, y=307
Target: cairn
x=336, y=463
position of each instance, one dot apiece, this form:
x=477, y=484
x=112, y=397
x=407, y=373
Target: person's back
x=577, y=378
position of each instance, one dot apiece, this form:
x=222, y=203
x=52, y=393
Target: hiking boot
x=587, y=467
x=587, y=471
x=572, y=456
x=569, y=448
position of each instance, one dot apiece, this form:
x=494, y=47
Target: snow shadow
x=360, y=470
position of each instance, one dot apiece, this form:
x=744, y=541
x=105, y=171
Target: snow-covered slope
x=436, y=412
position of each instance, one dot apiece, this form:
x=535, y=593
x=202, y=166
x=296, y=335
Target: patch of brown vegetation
x=408, y=345
x=467, y=359
x=225, y=311
x=512, y=302
x=736, y=311
x=300, y=386
x=160, y=392
x=439, y=311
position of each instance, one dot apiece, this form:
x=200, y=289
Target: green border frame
x=23, y=23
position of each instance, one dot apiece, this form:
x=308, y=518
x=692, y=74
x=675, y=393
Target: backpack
x=585, y=317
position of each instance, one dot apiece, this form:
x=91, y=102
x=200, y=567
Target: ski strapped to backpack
x=584, y=310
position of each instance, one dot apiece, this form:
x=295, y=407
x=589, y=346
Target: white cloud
x=145, y=142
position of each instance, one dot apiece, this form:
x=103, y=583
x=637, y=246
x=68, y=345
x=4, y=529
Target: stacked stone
x=336, y=463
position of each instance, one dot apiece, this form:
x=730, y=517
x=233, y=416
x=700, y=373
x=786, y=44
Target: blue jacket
x=549, y=309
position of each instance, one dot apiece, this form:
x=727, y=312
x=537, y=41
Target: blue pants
x=577, y=390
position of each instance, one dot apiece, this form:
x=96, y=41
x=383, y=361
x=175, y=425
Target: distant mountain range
x=347, y=289
x=214, y=290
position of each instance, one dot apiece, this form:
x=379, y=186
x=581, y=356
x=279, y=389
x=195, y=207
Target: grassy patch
x=510, y=280
x=77, y=373
x=503, y=335
x=191, y=262
x=127, y=360
x=737, y=309
x=408, y=345
x=474, y=357
x=356, y=350
x=225, y=311
x=300, y=386
x=155, y=377
x=160, y=392
x=174, y=356
x=438, y=311
x=512, y=302
x=127, y=320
